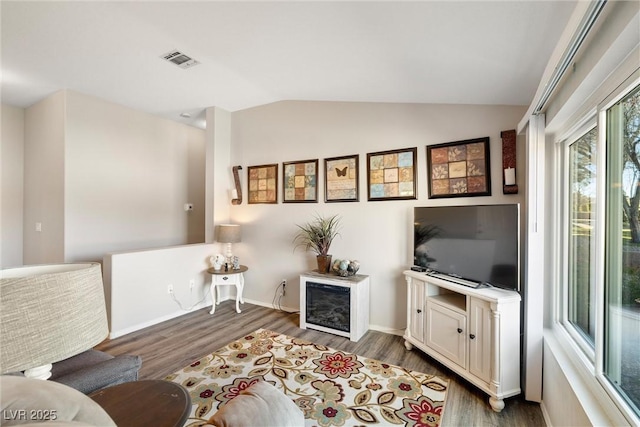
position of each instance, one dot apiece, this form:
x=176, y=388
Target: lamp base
x=40, y=372
x=229, y=254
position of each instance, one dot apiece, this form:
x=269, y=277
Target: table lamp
x=49, y=313
x=229, y=233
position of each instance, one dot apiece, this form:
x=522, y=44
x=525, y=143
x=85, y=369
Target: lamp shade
x=228, y=233
x=49, y=313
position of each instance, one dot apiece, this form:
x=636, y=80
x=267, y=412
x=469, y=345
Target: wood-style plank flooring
x=169, y=346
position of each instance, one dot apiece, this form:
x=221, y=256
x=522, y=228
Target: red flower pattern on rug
x=338, y=364
x=331, y=387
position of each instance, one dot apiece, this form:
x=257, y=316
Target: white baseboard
x=545, y=415
x=125, y=331
x=263, y=304
x=137, y=327
x=399, y=332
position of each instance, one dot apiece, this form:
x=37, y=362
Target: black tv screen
x=480, y=244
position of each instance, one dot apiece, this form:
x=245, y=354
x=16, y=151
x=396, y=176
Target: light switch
x=38, y=226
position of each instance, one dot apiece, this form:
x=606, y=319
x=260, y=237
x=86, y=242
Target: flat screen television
x=473, y=245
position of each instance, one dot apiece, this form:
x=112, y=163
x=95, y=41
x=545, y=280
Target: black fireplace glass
x=328, y=306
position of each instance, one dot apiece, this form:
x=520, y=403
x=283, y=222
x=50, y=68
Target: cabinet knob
x=419, y=311
x=472, y=336
x=459, y=330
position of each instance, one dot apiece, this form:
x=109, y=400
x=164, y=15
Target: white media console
x=474, y=332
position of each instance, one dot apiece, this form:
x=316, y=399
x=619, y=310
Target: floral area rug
x=333, y=388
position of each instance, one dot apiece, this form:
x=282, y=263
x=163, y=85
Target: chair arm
x=109, y=372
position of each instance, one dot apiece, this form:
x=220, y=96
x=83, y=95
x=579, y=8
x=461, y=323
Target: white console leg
x=408, y=345
x=238, y=297
x=496, y=404
x=213, y=297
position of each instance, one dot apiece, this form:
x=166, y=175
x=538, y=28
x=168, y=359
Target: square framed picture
x=300, y=181
x=263, y=184
x=459, y=169
x=341, y=179
x=391, y=175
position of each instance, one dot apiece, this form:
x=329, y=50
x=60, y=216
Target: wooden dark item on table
x=145, y=403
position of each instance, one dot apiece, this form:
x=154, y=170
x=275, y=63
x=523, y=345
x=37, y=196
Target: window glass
x=622, y=299
x=581, y=239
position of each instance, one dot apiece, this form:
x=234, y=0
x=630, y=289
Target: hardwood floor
x=172, y=345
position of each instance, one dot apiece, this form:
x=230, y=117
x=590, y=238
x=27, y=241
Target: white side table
x=226, y=278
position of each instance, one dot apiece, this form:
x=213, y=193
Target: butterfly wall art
x=341, y=179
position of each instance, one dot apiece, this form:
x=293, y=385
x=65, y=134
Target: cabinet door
x=416, y=310
x=446, y=332
x=480, y=348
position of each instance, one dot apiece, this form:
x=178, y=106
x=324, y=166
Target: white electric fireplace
x=334, y=304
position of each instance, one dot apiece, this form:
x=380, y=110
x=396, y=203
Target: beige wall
x=128, y=176
x=11, y=210
x=379, y=234
x=44, y=181
x=103, y=178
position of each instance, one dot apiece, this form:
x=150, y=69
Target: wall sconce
x=509, y=162
x=236, y=193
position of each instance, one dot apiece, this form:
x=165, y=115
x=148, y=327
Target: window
x=581, y=239
x=622, y=262
x=600, y=303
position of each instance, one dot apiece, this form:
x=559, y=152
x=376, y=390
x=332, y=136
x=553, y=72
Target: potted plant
x=317, y=236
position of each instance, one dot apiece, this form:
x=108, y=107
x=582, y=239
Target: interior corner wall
x=218, y=174
x=12, y=182
x=378, y=233
x=128, y=175
x=44, y=160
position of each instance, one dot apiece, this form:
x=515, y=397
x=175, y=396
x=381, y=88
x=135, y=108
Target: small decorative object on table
x=345, y=268
x=236, y=263
x=217, y=261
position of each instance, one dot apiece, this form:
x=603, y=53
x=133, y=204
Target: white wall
x=102, y=178
x=561, y=406
x=219, y=182
x=127, y=177
x=379, y=234
x=12, y=194
x=44, y=160
x=136, y=285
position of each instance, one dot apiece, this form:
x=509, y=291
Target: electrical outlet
x=170, y=289
x=192, y=284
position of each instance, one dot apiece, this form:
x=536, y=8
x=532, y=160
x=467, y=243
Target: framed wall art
x=341, y=179
x=263, y=184
x=459, y=169
x=300, y=181
x=391, y=175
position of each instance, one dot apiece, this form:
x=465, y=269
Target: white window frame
x=603, y=108
x=574, y=134
x=589, y=360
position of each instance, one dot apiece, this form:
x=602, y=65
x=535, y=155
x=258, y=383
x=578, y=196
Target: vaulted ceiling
x=253, y=53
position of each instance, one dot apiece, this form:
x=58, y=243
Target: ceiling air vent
x=180, y=59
